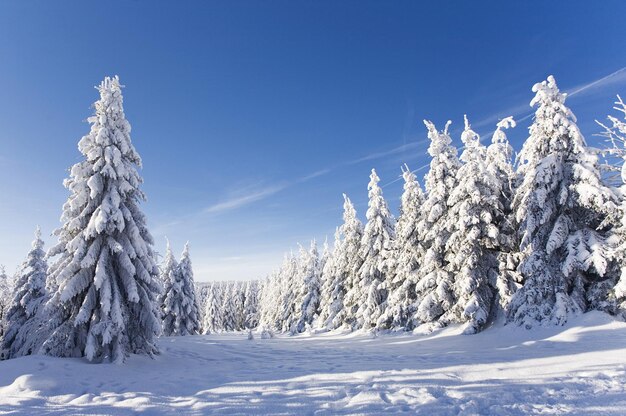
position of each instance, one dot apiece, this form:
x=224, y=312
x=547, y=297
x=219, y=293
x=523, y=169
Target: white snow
x=578, y=369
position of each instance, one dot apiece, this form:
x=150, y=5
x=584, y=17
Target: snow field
x=579, y=369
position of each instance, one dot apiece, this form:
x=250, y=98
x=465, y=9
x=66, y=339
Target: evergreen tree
x=435, y=285
x=615, y=301
x=251, y=305
x=347, y=257
x=376, y=249
x=239, y=302
x=560, y=206
x=229, y=310
x=189, y=303
x=310, y=288
x=212, y=317
x=5, y=292
x=21, y=326
x=328, y=274
x=172, y=297
x=499, y=165
x=104, y=307
x=289, y=293
x=407, y=255
x=472, y=250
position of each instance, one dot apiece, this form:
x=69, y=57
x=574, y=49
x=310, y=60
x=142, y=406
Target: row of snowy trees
x=486, y=240
x=101, y=297
x=229, y=306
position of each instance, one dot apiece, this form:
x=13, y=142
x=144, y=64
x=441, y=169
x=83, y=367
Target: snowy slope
x=578, y=369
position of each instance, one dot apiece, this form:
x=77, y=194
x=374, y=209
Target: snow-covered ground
x=579, y=369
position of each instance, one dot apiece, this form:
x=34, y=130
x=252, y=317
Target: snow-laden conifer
x=189, y=303
x=173, y=297
x=5, y=292
x=347, y=257
x=615, y=131
x=212, y=314
x=21, y=324
x=560, y=206
x=328, y=272
x=251, y=305
x=435, y=287
x=407, y=255
x=310, y=288
x=476, y=212
x=106, y=278
x=499, y=165
x=229, y=307
x=376, y=249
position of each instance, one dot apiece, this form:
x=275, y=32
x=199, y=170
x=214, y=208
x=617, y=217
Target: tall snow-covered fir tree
x=407, y=255
x=347, y=259
x=615, y=131
x=212, y=313
x=310, y=288
x=5, y=292
x=499, y=165
x=172, y=296
x=328, y=271
x=475, y=211
x=251, y=305
x=560, y=206
x=21, y=323
x=229, y=308
x=376, y=249
x=190, y=303
x=104, y=307
x=435, y=285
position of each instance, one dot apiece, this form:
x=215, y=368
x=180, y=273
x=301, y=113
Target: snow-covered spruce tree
x=407, y=255
x=212, y=317
x=5, y=292
x=475, y=211
x=229, y=310
x=173, y=297
x=20, y=322
x=435, y=285
x=310, y=289
x=328, y=272
x=190, y=303
x=560, y=206
x=499, y=165
x=615, y=131
x=104, y=307
x=251, y=305
x=268, y=304
x=201, y=293
x=376, y=249
x=289, y=294
x=347, y=257
x=294, y=300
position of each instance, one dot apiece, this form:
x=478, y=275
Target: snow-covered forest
x=528, y=238
x=494, y=236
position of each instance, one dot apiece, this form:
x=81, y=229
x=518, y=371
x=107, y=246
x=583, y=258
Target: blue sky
x=253, y=118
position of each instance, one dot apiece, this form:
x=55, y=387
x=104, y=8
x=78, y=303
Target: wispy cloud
x=315, y=174
x=243, y=200
x=385, y=153
x=616, y=77
x=250, y=195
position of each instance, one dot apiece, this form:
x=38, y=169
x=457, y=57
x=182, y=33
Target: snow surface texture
x=578, y=369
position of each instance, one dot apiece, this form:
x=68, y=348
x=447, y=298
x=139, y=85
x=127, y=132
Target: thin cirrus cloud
x=246, y=196
x=243, y=200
